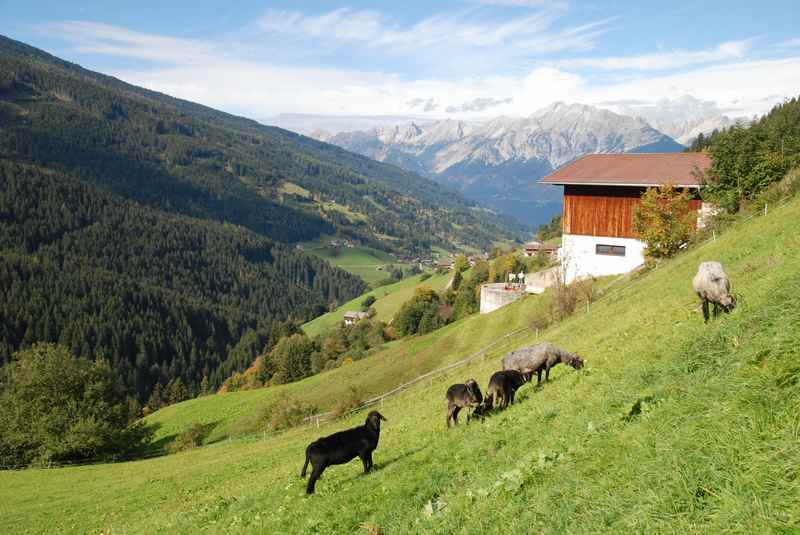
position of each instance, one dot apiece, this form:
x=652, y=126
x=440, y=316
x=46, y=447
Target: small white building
x=353, y=317
x=601, y=192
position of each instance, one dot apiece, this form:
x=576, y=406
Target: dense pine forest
x=157, y=234
x=160, y=296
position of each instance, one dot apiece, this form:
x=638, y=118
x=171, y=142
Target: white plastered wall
x=580, y=260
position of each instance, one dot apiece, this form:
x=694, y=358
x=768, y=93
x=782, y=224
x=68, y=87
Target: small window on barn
x=610, y=250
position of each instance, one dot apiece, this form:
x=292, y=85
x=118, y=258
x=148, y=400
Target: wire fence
x=320, y=417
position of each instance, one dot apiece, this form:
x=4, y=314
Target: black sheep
x=343, y=447
x=461, y=396
x=502, y=386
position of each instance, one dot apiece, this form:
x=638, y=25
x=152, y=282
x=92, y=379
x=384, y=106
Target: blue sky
x=464, y=59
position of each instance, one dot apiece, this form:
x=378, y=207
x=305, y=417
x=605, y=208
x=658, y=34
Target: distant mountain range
x=500, y=161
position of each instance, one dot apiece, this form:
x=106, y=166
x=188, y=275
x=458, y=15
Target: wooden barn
x=601, y=192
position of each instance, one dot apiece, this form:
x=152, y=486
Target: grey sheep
x=712, y=285
x=538, y=358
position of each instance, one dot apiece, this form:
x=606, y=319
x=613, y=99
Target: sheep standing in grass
x=538, y=358
x=502, y=388
x=712, y=285
x=342, y=447
x=462, y=396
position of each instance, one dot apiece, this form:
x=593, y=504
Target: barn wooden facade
x=601, y=192
x=604, y=210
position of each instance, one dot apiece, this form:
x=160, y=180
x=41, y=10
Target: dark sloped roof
x=679, y=168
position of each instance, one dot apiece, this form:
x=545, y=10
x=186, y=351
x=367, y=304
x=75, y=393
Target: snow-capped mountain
x=500, y=161
x=685, y=131
x=683, y=118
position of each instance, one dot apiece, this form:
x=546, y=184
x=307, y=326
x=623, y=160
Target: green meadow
x=388, y=300
x=361, y=261
x=673, y=426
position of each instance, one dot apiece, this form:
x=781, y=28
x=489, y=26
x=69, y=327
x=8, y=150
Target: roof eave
x=619, y=184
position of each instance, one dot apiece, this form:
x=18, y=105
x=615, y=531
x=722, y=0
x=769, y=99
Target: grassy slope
x=396, y=363
x=713, y=449
x=388, y=301
x=361, y=261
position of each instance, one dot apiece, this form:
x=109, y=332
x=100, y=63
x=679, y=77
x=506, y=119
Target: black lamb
x=343, y=447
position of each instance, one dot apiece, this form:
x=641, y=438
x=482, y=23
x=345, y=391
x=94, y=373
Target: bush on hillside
x=786, y=188
x=467, y=300
x=566, y=299
x=368, y=302
x=291, y=358
x=664, y=220
x=287, y=412
x=458, y=278
x=56, y=408
x=420, y=314
x=190, y=438
x=351, y=400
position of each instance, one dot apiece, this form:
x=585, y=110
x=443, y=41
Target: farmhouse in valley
x=533, y=248
x=353, y=317
x=601, y=192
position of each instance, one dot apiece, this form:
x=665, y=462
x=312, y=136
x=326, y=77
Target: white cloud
x=463, y=30
x=789, y=43
x=213, y=74
x=664, y=60
x=97, y=38
x=341, y=24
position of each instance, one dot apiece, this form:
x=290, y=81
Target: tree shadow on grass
x=163, y=444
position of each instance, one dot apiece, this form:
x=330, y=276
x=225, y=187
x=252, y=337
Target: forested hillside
x=746, y=159
x=184, y=158
x=159, y=295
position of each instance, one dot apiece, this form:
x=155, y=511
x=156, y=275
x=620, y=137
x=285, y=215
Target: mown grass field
x=388, y=300
x=672, y=427
x=361, y=261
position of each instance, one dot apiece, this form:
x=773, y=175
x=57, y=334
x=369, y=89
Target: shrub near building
x=664, y=220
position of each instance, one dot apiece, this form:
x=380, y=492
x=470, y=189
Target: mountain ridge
x=500, y=160
x=240, y=161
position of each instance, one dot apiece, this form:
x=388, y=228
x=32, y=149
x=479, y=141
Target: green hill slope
x=361, y=261
x=388, y=300
x=673, y=426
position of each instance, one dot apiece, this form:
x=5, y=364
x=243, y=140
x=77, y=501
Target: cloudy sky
x=467, y=59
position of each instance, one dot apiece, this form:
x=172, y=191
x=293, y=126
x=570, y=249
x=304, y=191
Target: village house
x=353, y=317
x=601, y=192
x=533, y=248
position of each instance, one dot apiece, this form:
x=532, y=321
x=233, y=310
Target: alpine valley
x=500, y=161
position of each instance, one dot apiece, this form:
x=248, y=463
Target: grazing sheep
x=460, y=396
x=502, y=387
x=712, y=285
x=538, y=358
x=343, y=447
